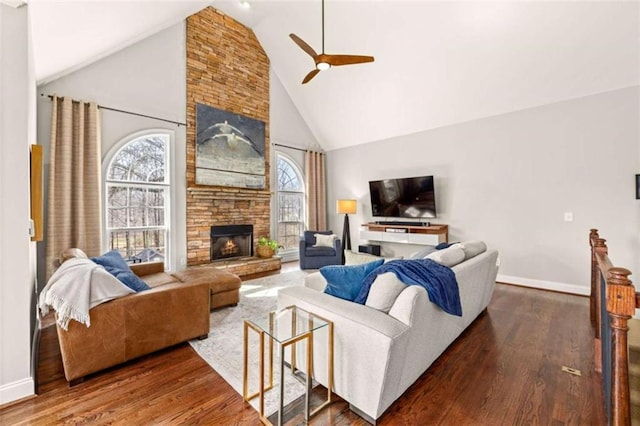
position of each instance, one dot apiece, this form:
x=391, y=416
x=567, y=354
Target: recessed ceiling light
x=245, y=4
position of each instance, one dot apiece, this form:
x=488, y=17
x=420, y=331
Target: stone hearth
x=248, y=266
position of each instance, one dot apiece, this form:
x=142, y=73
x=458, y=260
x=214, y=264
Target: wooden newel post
x=621, y=304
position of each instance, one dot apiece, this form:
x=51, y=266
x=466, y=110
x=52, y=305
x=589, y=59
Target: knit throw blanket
x=439, y=281
x=77, y=286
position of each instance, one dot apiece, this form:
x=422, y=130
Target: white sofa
x=377, y=356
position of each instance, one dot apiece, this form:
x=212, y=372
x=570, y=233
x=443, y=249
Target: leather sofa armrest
x=147, y=268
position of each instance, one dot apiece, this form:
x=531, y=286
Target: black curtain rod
x=290, y=147
x=130, y=113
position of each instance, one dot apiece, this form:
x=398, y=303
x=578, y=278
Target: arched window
x=137, y=198
x=289, y=204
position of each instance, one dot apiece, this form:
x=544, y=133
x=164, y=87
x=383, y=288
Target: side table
x=286, y=327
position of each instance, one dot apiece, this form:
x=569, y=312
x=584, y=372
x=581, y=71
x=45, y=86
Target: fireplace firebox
x=231, y=242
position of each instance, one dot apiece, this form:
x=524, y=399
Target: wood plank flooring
x=505, y=369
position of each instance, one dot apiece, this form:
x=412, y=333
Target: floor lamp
x=346, y=207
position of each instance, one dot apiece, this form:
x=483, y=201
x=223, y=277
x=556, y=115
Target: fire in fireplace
x=231, y=241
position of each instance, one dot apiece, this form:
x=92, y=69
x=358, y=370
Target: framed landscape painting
x=230, y=149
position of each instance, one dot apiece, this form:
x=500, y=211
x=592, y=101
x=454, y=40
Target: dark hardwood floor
x=505, y=369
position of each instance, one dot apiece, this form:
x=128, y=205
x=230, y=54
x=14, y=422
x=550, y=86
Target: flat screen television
x=405, y=197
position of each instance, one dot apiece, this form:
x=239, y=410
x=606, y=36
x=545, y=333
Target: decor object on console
x=398, y=331
x=267, y=247
x=314, y=256
x=230, y=149
x=346, y=207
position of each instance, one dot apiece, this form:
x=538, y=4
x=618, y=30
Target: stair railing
x=613, y=301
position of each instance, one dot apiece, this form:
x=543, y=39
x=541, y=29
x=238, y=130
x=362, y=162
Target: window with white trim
x=137, y=193
x=289, y=203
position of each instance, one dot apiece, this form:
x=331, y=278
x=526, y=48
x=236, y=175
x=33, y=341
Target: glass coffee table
x=286, y=327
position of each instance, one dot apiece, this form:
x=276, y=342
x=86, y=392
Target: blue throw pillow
x=116, y=266
x=345, y=282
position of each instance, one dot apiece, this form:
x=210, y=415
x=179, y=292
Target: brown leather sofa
x=172, y=311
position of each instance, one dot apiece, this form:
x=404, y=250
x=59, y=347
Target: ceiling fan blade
x=303, y=45
x=310, y=76
x=337, y=60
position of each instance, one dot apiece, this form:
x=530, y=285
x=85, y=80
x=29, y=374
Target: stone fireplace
x=231, y=242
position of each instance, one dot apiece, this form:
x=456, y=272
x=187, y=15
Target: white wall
x=148, y=77
x=509, y=179
x=287, y=126
x=16, y=273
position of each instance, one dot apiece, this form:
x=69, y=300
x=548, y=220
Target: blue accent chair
x=316, y=257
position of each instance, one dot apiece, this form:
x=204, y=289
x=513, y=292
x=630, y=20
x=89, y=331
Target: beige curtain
x=73, y=207
x=316, y=191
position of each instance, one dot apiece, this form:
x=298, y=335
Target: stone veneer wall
x=226, y=69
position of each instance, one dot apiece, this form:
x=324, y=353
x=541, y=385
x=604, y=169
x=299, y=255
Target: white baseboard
x=545, y=285
x=17, y=390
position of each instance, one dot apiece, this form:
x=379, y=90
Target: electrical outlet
x=568, y=216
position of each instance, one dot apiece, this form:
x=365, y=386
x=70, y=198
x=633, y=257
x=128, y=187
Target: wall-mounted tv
x=405, y=197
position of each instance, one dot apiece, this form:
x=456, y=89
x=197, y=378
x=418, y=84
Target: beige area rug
x=223, y=348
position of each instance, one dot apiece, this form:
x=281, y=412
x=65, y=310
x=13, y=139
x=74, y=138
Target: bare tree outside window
x=137, y=199
x=290, y=203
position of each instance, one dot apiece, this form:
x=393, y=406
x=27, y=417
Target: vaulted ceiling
x=436, y=63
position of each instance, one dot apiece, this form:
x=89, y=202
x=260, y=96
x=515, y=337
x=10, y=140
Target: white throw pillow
x=384, y=291
x=323, y=240
x=316, y=281
x=448, y=257
x=473, y=248
x=353, y=258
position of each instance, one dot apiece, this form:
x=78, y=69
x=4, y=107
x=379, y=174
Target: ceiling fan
x=325, y=61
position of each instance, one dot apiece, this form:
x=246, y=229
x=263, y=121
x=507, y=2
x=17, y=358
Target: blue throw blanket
x=439, y=281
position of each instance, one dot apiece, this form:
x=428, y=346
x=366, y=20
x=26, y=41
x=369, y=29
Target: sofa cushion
x=309, y=236
x=319, y=251
x=315, y=280
x=384, y=291
x=422, y=253
x=158, y=279
x=448, y=257
x=353, y=258
x=116, y=266
x=345, y=282
x=324, y=240
x=473, y=248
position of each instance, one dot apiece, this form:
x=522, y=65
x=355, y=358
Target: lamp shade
x=346, y=206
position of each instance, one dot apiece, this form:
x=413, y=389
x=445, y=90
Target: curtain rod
x=129, y=112
x=290, y=147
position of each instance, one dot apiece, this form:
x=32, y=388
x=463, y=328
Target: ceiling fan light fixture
x=325, y=61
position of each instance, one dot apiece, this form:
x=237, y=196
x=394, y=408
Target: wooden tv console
x=403, y=234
